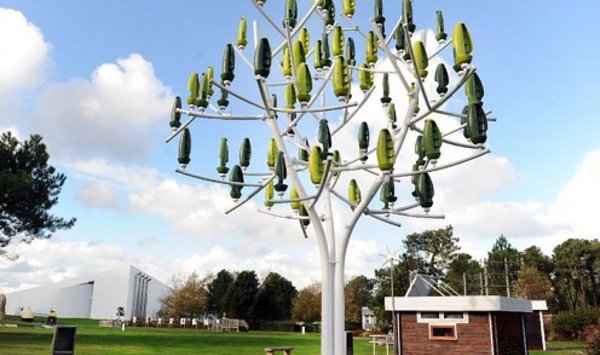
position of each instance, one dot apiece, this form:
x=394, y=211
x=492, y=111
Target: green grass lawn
x=561, y=348
x=94, y=340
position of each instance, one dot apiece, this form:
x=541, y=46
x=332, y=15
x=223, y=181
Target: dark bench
x=287, y=350
x=63, y=341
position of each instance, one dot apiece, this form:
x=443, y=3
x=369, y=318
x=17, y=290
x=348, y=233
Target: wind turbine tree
x=306, y=59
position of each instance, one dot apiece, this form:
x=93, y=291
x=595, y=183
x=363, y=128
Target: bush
x=570, y=325
x=591, y=339
x=357, y=332
x=274, y=326
x=353, y=326
x=308, y=327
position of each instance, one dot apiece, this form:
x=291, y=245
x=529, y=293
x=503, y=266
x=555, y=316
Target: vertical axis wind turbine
x=304, y=171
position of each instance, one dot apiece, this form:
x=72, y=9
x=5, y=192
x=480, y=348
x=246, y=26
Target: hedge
x=569, y=325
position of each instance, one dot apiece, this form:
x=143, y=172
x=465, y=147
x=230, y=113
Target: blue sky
x=97, y=79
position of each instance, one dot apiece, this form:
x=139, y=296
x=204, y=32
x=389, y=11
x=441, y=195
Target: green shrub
x=570, y=325
x=274, y=326
x=308, y=327
x=353, y=326
x=591, y=339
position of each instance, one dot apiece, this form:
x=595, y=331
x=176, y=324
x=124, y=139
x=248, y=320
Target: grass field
x=94, y=340
x=561, y=348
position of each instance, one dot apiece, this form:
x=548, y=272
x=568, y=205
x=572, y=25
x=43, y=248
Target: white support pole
x=327, y=320
x=339, y=306
x=491, y=328
x=328, y=305
x=339, y=299
x=256, y=33
x=322, y=238
x=543, y=331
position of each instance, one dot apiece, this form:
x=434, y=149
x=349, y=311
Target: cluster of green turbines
x=294, y=64
x=323, y=66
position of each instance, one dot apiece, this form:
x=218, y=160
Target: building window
x=442, y=332
x=443, y=317
x=454, y=315
x=430, y=315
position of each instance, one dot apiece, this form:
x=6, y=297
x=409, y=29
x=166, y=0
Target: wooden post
x=506, y=278
x=485, y=276
x=481, y=283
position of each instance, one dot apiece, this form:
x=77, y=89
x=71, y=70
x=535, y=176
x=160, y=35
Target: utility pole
x=481, y=283
x=485, y=275
x=506, y=278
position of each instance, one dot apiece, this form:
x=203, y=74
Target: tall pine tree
x=29, y=188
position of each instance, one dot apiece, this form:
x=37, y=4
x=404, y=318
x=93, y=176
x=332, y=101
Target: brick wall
x=472, y=337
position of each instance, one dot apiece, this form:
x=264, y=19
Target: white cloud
x=222, y=257
x=46, y=261
x=301, y=265
x=72, y=259
x=98, y=195
x=24, y=63
x=200, y=212
x=126, y=177
x=363, y=256
x=479, y=222
x=576, y=204
x=112, y=115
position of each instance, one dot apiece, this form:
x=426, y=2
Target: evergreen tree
x=576, y=268
x=242, y=296
x=217, y=290
x=275, y=298
x=502, y=264
x=437, y=247
x=29, y=188
x=533, y=256
x=463, y=264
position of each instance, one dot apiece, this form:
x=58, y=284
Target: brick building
x=465, y=324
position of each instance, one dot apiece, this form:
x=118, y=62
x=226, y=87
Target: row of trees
x=568, y=280
x=240, y=295
x=236, y=295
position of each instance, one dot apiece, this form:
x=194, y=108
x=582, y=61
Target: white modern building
x=95, y=296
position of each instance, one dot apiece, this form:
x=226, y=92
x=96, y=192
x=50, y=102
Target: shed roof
x=458, y=304
x=367, y=312
x=539, y=305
